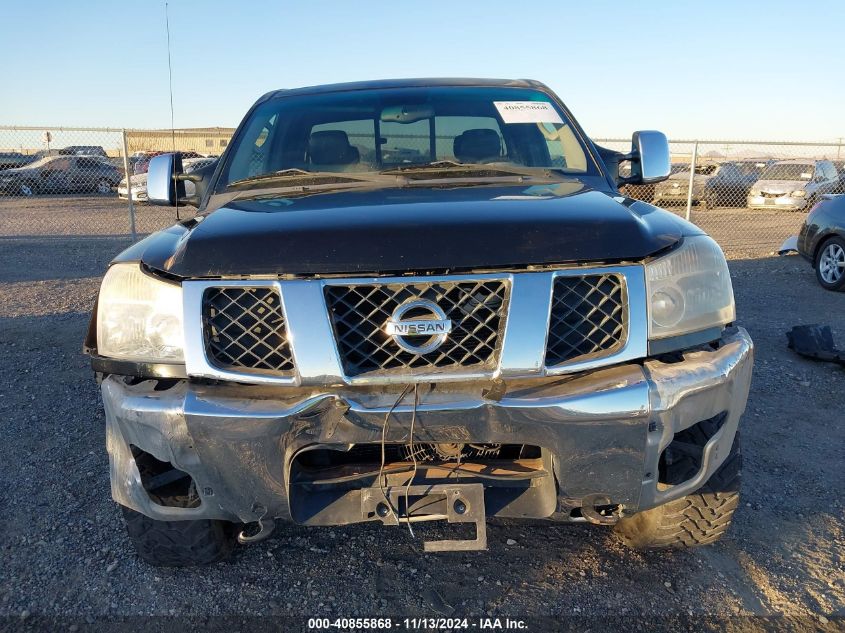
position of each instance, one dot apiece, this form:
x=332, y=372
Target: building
x=203, y=140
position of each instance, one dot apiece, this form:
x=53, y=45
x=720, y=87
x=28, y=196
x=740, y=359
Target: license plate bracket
x=454, y=503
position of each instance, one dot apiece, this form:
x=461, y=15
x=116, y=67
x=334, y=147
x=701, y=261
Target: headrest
x=331, y=147
x=476, y=145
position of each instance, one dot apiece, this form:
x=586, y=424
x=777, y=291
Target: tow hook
x=265, y=529
x=591, y=513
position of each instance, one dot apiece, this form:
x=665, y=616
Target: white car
x=793, y=184
x=139, y=181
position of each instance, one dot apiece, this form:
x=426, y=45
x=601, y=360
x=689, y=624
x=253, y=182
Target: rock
x=510, y=541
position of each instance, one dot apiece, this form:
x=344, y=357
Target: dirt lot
x=63, y=550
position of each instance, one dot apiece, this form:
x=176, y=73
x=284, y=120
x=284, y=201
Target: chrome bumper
x=604, y=430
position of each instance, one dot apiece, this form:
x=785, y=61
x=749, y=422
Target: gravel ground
x=63, y=551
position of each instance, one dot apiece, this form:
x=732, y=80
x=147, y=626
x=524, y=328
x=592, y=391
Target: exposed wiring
x=384, y=426
x=412, y=451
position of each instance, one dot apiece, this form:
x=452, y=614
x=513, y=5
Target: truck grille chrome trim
x=589, y=318
x=245, y=330
x=335, y=331
x=477, y=312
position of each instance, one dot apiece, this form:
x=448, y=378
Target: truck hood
x=780, y=186
x=414, y=229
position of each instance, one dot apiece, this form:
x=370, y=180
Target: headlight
x=799, y=193
x=754, y=192
x=139, y=318
x=689, y=289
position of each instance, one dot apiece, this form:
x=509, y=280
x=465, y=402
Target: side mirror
x=649, y=157
x=651, y=149
x=163, y=184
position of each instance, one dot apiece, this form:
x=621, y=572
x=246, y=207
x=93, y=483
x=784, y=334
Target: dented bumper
x=602, y=433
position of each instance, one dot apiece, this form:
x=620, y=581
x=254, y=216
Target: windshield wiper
x=299, y=175
x=454, y=166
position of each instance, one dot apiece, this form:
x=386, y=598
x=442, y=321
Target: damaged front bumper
x=601, y=435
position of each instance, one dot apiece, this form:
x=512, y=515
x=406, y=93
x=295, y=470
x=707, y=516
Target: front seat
x=476, y=146
x=331, y=149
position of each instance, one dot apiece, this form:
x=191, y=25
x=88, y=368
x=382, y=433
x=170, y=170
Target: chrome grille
x=359, y=312
x=589, y=318
x=244, y=329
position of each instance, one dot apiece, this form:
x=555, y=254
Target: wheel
x=27, y=188
x=175, y=543
x=103, y=186
x=179, y=543
x=699, y=518
x=830, y=264
x=711, y=200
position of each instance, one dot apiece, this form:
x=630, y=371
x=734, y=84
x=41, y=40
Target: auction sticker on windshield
x=527, y=112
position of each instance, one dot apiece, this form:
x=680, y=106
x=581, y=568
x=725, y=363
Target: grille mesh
x=589, y=318
x=245, y=330
x=477, y=310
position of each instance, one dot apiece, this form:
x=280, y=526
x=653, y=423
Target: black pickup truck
x=417, y=300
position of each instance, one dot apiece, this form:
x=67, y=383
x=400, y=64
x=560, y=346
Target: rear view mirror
x=406, y=113
x=163, y=185
x=651, y=149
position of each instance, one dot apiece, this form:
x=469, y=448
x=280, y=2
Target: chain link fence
x=749, y=196
x=72, y=182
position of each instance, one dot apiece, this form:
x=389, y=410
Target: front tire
x=103, y=187
x=830, y=264
x=179, y=543
x=698, y=519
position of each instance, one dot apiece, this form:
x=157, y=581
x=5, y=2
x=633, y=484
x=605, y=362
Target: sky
x=765, y=70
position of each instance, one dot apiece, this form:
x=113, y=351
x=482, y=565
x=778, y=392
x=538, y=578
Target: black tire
x=711, y=200
x=179, y=543
x=698, y=519
x=103, y=187
x=824, y=255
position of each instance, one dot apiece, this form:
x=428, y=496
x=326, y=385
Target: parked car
x=731, y=184
x=61, y=174
x=142, y=164
x=821, y=241
x=675, y=189
x=840, y=167
x=11, y=160
x=492, y=331
x=645, y=192
x=793, y=185
x=139, y=181
x=83, y=150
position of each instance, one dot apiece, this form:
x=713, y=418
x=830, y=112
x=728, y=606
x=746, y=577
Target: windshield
x=788, y=171
x=43, y=161
x=371, y=131
x=749, y=169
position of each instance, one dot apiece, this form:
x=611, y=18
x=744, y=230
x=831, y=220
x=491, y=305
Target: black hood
x=414, y=229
